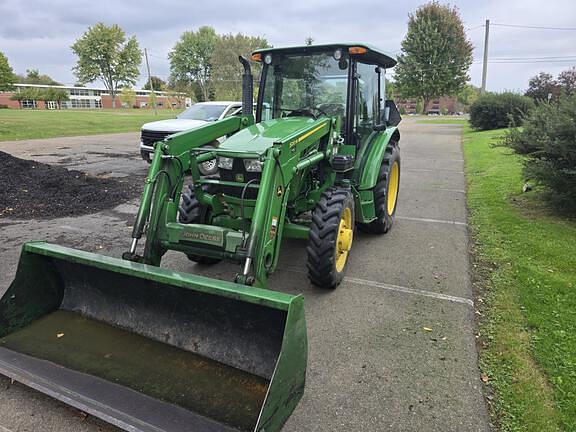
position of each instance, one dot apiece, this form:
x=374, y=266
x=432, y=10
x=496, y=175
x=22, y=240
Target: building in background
x=91, y=98
x=443, y=105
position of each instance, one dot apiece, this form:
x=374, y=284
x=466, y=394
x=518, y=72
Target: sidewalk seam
x=431, y=220
x=397, y=288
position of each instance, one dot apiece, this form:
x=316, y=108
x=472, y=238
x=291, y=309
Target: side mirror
x=393, y=117
x=389, y=116
x=383, y=120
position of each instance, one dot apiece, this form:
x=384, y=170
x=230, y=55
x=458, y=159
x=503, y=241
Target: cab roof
x=372, y=54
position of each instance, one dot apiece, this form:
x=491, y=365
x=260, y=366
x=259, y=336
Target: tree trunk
x=113, y=99
x=425, y=105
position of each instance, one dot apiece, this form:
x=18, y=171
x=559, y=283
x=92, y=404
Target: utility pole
x=150, y=82
x=485, y=65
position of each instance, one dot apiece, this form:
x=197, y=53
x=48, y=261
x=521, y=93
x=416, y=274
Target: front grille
x=150, y=137
x=232, y=176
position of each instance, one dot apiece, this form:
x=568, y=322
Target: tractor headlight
x=253, y=165
x=225, y=163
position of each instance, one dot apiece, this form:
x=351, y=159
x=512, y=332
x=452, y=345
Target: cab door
x=368, y=100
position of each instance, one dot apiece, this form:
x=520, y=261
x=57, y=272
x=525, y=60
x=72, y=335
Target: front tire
x=386, y=192
x=191, y=211
x=330, y=239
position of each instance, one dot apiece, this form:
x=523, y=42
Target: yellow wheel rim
x=344, y=239
x=393, y=185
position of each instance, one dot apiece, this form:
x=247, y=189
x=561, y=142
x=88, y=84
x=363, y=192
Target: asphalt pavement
x=392, y=349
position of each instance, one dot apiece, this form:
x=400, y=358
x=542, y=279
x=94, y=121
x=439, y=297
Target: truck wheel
x=192, y=211
x=209, y=167
x=385, y=192
x=145, y=156
x=330, y=239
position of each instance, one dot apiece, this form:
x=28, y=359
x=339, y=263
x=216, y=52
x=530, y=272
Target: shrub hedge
x=548, y=140
x=499, y=110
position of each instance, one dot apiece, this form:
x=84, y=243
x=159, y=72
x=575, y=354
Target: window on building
x=98, y=103
x=80, y=103
x=78, y=92
x=28, y=104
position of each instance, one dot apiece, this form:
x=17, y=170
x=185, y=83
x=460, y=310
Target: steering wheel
x=308, y=112
x=301, y=112
x=333, y=108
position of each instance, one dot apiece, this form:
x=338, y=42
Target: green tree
x=547, y=142
x=104, y=53
x=468, y=94
x=391, y=89
x=152, y=99
x=178, y=91
x=227, y=70
x=128, y=96
x=33, y=76
x=190, y=59
x=17, y=96
x=567, y=81
x=7, y=77
x=158, y=83
x=55, y=94
x=32, y=94
x=436, y=54
x=542, y=87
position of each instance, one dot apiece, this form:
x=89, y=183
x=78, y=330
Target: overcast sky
x=38, y=33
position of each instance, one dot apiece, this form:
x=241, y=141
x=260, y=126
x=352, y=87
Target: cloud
x=38, y=34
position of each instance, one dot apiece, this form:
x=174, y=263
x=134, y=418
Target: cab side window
x=367, y=100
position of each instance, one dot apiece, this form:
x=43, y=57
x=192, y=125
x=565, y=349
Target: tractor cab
x=344, y=81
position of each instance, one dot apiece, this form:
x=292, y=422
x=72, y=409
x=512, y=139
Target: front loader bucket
x=150, y=349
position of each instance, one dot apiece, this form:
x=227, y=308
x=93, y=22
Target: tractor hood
x=173, y=125
x=259, y=137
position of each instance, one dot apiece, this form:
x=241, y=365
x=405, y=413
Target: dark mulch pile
x=30, y=189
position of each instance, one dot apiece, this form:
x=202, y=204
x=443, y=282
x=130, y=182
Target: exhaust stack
x=247, y=87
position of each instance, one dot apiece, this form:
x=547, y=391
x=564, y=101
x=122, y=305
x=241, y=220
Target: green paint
x=204, y=386
x=260, y=137
x=23, y=281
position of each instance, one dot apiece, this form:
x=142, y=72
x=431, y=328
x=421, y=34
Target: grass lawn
x=28, y=124
x=526, y=261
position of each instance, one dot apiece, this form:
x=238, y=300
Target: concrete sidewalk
x=392, y=348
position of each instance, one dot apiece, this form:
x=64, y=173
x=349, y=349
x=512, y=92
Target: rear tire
x=330, y=239
x=191, y=211
x=385, y=192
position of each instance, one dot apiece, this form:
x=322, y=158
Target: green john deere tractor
x=151, y=349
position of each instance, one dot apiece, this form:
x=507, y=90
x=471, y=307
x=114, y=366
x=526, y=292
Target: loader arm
x=165, y=177
x=283, y=162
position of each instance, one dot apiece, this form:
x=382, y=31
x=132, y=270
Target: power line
x=535, y=27
x=560, y=57
x=535, y=61
x=523, y=27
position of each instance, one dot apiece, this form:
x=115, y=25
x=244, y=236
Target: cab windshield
x=206, y=112
x=305, y=85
